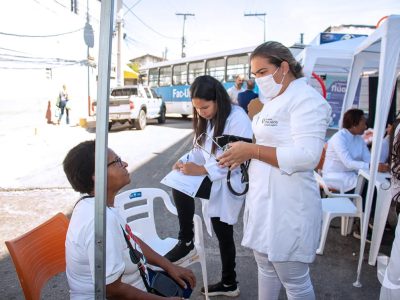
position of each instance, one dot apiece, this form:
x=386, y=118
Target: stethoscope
x=198, y=143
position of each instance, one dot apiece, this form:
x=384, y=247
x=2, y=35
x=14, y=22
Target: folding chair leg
x=350, y=225
x=324, y=232
x=204, y=273
x=344, y=225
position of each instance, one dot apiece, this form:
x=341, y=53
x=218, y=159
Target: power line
x=130, y=8
x=40, y=36
x=155, y=31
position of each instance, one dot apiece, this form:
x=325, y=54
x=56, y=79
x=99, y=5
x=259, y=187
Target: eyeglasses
x=117, y=161
x=198, y=143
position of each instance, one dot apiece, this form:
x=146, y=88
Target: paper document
x=186, y=184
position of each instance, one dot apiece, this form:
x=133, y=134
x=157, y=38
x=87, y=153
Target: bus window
x=237, y=65
x=216, y=68
x=165, y=76
x=153, y=77
x=179, y=74
x=195, y=69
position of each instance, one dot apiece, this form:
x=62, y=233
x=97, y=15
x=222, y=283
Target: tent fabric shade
x=381, y=48
x=378, y=53
x=332, y=57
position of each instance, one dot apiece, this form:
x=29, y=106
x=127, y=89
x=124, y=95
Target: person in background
x=122, y=276
x=237, y=88
x=63, y=101
x=245, y=97
x=283, y=214
x=347, y=153
x=215, y=115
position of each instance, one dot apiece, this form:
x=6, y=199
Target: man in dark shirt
x=245, y=97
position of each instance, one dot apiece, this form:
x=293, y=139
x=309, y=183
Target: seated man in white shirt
x=347, y=153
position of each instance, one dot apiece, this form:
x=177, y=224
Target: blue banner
x=329, y=37
x=336, y=88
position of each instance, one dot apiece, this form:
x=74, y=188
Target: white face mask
x=268, y=88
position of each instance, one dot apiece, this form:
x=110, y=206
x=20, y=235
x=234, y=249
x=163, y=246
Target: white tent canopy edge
x=385, y=41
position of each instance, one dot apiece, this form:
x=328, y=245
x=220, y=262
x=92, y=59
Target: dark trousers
x=224, y=232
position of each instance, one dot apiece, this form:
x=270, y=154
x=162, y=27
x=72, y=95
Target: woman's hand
x=180, y=275
x=190, y=168
x=177, y=166
x=237, y=153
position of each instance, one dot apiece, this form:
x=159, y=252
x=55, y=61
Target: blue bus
x=172, y=79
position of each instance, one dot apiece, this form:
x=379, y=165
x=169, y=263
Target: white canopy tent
x=332, y=58
x=382, y=47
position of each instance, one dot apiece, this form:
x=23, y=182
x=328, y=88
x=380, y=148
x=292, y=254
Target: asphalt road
x=33, y=188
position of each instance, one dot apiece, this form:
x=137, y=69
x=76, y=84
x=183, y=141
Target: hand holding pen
x=189, y=168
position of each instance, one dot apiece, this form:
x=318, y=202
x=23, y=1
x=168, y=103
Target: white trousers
x=293, y=275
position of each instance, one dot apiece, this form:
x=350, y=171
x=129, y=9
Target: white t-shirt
x=79, y=252
x=233, y=93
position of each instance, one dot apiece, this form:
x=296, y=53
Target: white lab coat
x=283, y=212
x=222, y=202
x=345, y=155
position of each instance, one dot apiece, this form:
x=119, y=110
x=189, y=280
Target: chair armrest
x=168, y=204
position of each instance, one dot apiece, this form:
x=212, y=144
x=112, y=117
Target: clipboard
x=186, y=184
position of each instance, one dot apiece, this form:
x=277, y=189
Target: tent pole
x=103, y=90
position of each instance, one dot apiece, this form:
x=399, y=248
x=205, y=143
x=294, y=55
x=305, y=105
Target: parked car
x=135, y=104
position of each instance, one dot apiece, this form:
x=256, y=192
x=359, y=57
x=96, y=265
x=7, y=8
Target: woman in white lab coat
x=347, y=153
x=213, y=114
x=282, y=217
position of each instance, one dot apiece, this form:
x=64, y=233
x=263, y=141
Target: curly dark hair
x=79, y=167
x=208, y=88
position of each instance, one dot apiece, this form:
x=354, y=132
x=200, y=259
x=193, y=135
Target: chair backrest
x=321, y=183
x=136, y=207
x=39, y=254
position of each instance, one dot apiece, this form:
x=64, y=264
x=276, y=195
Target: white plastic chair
x=337, y=205
x=136, y=207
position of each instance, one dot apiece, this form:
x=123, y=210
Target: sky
x=151, y=26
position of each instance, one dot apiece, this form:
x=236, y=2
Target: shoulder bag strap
x=136, y=260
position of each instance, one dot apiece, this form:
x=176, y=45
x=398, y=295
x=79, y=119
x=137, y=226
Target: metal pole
x=257, y=15
x=103, y=90
x=183, y=31
x=264, y=27
x=120, y=72
x=88, y=66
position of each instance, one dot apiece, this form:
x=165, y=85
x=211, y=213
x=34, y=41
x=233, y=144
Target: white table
x=383, y=199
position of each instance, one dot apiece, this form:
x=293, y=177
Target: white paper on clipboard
x=186, y=184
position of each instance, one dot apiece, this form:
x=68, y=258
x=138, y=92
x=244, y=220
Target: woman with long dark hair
x=213, y=116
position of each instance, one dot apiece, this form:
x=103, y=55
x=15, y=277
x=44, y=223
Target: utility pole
x=120, y=72
x=258, y=15
x=183, y=31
